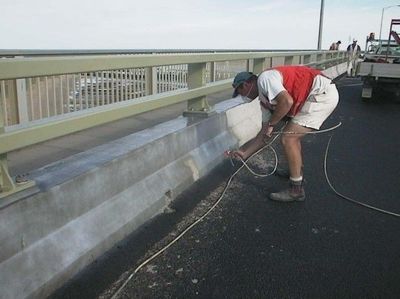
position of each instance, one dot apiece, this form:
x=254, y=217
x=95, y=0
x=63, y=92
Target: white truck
x=380, y=69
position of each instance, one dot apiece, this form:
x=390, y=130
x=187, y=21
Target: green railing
x=47, y=97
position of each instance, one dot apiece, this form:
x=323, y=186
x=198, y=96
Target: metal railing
x=46, y=97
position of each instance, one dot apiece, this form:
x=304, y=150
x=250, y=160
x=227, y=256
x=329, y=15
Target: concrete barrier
x=84, y=204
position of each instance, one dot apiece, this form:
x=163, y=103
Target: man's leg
x=292, y=147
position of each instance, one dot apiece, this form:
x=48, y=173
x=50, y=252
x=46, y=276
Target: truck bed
x=382, y=70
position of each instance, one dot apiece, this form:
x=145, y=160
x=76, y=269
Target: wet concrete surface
x=251, y=247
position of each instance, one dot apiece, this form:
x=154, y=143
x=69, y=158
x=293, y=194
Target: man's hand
x=237, y=154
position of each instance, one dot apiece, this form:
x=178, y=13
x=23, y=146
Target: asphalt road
x=251, y=247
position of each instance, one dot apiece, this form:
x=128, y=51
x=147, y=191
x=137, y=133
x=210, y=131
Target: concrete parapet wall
x=84, y=204
x=336, y=71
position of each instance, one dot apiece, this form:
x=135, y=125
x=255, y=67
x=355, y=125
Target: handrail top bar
x=14, y=68
x=69, y=52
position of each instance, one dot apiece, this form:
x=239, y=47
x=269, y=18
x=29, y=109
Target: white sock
x=299, y=179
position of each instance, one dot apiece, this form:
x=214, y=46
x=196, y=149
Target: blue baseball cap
x=239, y=79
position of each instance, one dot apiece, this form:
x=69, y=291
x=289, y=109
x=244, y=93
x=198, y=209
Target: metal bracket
x=7, y=184
x=199, y=107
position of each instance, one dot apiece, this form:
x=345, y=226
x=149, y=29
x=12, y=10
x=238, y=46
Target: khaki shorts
x=317, y=108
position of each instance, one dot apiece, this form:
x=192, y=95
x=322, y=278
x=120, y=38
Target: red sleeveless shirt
x=298, y=81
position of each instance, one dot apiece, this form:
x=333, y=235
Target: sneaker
x=294, y=193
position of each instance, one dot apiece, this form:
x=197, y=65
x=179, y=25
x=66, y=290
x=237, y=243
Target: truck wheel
x=367, y=93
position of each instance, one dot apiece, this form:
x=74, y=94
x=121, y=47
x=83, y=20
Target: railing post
x=249, y=65
x=258, y=65
x=268, y=62
x=12, y=96
x=288, y=60
x=320, y=57
x=212, y=71
x=22, y=101
x=306, y=59
x=151, y=80
x=7, y=184
x=197, y=78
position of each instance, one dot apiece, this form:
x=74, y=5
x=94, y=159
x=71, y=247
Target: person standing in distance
x=353, y=51
x=302, y=94
x=335, y=46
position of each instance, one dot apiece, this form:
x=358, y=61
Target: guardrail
x=47, y=97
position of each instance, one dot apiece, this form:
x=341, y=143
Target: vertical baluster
x=61, y=94
x=92, y=90
x=169, y=80
x=47, y=95
x=118, y=93
x=172, y=77
x=143, y=82
x=178, y=83
x=109, y=87
x=117, y=87
x=80, y=90
x=39, y=97
x=157, y=77
x=123, y=83
x=112, y=86
x=130, y=84
x=185, y=73
x=123, y=90
x=142, y=91
x=4, y=102
x=126, y=85
x=181, y=76
x=134, y=82
x=53, y=79
x=84, y=88
x=165, y=71
x=102, y=89
x=121, y=86
x=177, y=77
x=139, y=84
x=97, y=95
x=163, y=79
x=31, y=99
x=73, y=93
x=124, y=74
x=65, y=100
x=160, y=79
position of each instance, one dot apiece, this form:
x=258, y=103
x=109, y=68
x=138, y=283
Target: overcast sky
x=184, y=24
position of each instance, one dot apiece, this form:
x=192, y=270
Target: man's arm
x=284, y=103
x=253, y=145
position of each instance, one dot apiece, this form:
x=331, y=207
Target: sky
x=189, y=24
